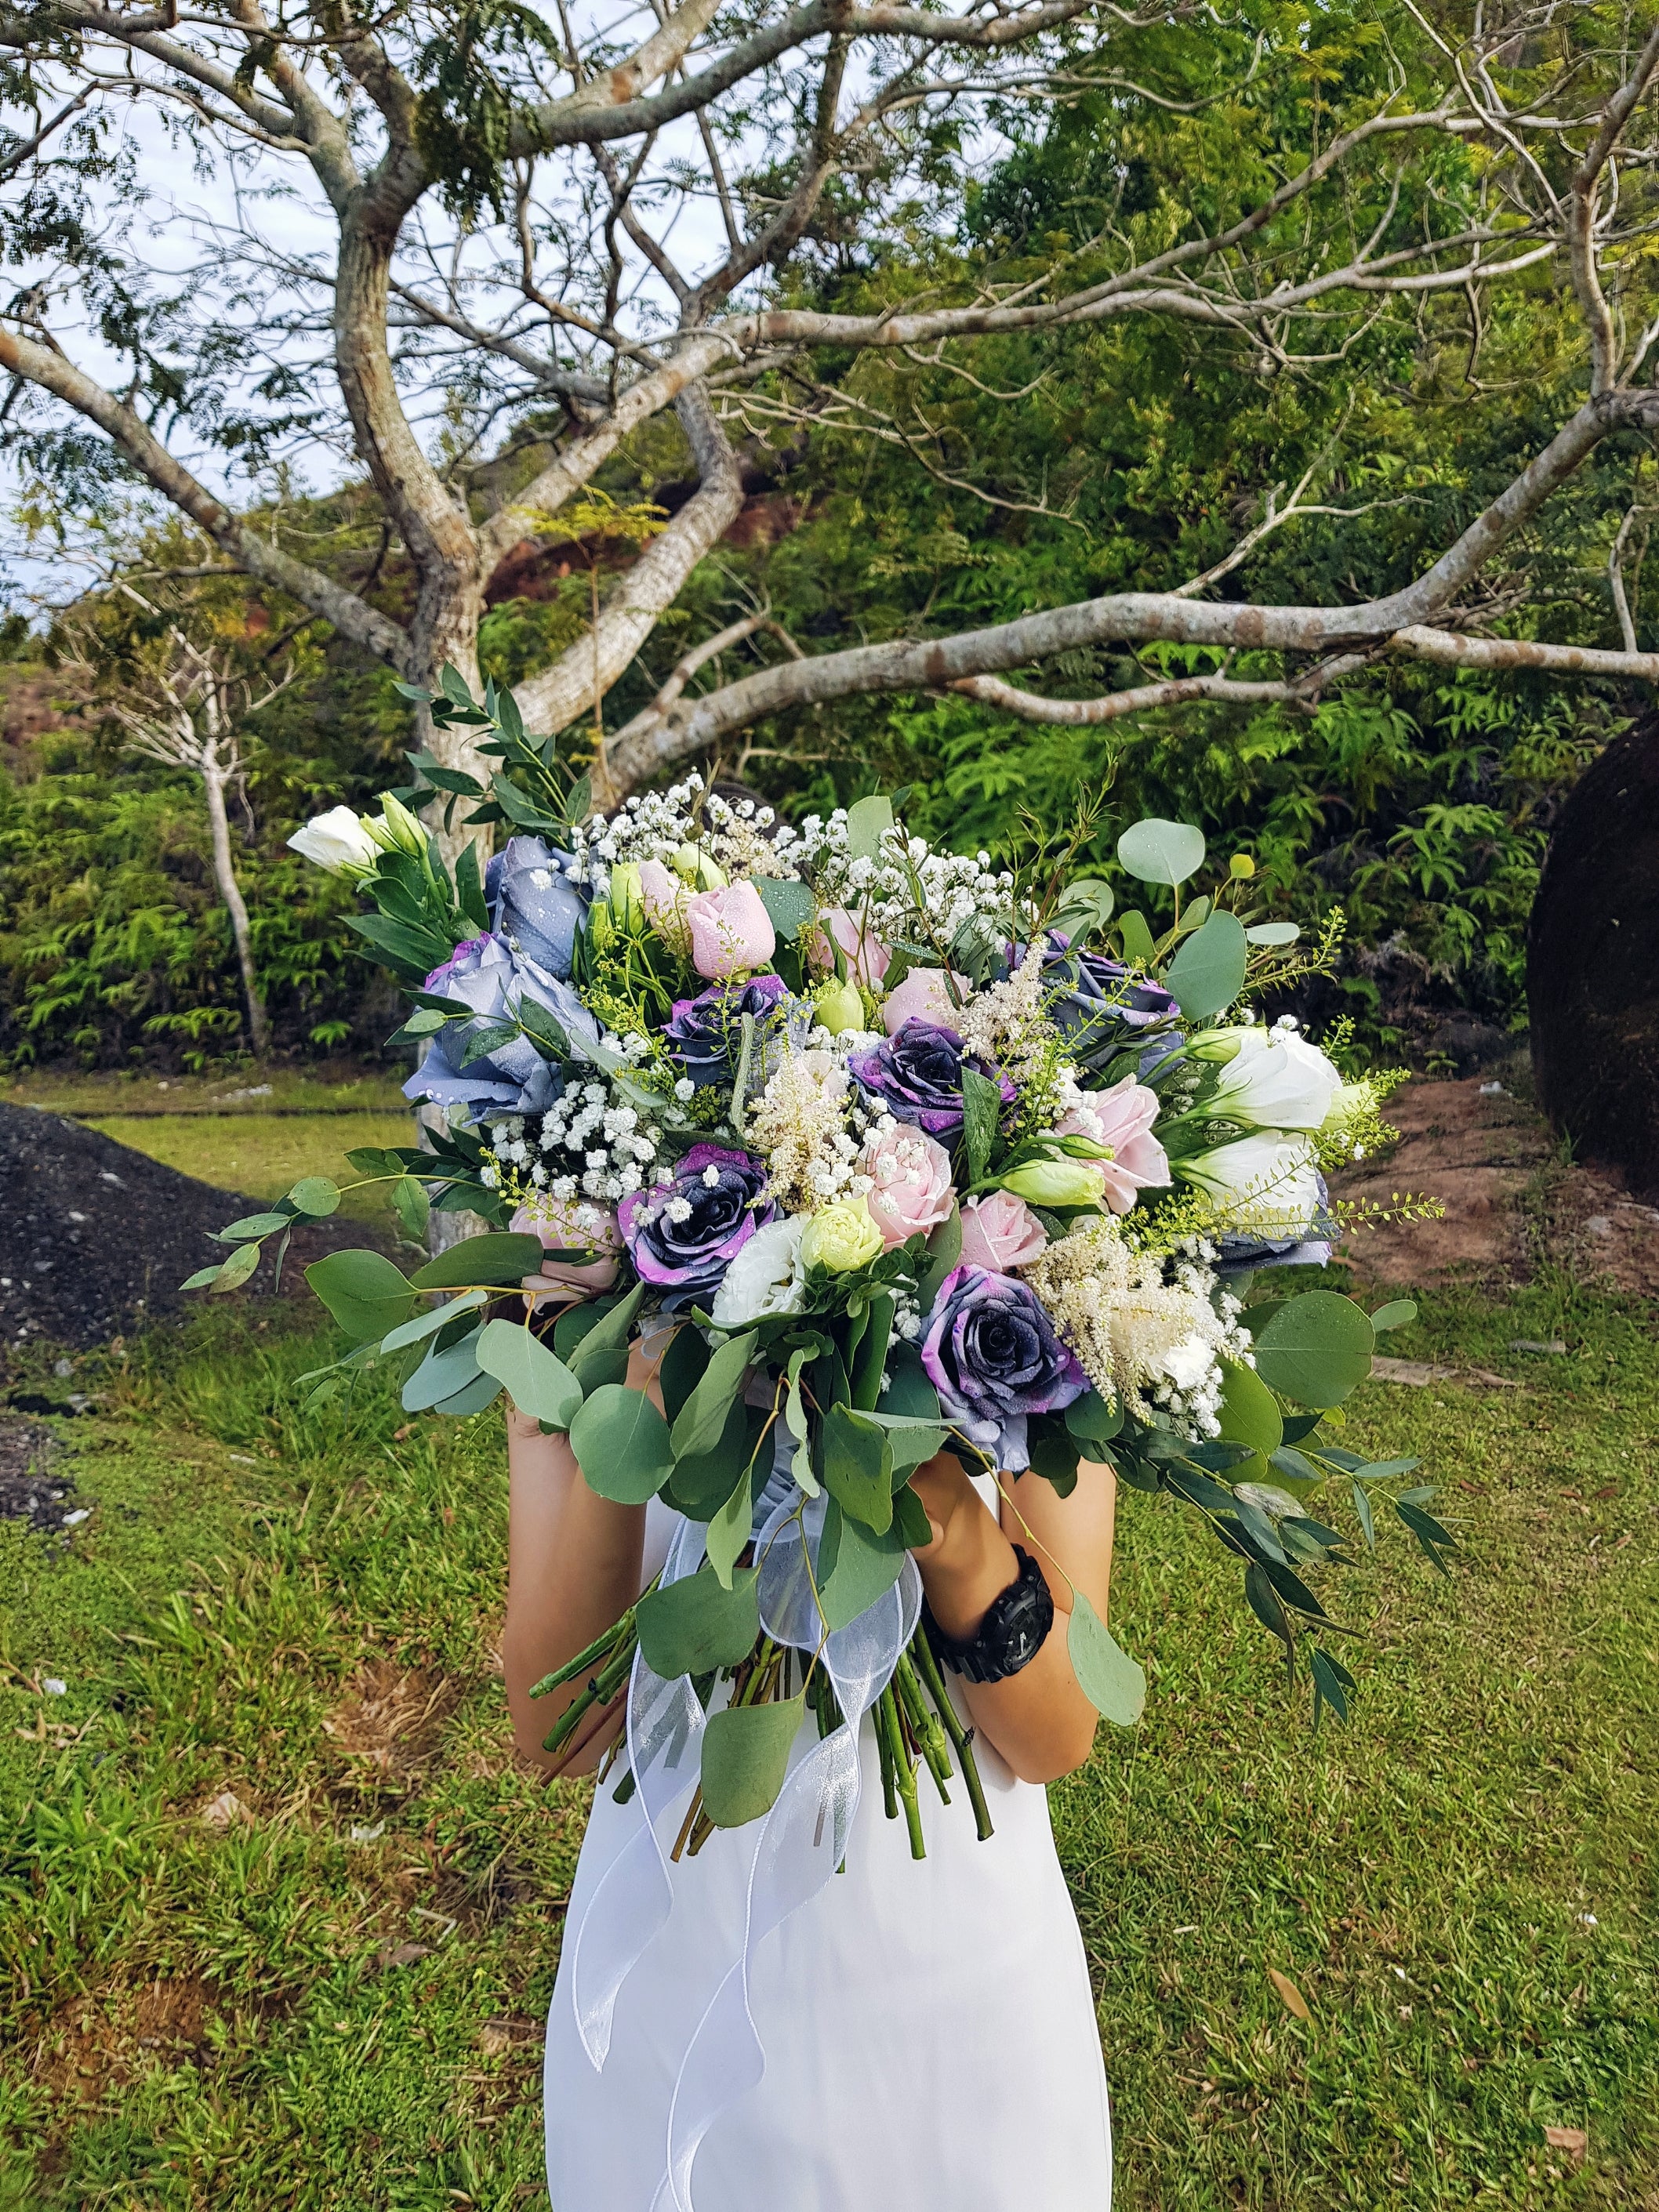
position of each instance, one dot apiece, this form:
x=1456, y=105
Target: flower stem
x=904, y=1774
x=962, y=1738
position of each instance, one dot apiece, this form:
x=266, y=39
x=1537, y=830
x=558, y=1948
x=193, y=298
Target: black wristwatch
x=1014, y=1630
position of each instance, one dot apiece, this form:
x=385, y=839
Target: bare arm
x=574, y=1566
x=1038, y=1720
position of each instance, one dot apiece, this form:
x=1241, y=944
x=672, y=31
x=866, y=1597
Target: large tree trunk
x=1593, y=961
x=224, y=874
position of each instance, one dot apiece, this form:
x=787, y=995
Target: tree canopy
x=473, y=256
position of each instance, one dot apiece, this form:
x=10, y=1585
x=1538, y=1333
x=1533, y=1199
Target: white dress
x=928, y=2028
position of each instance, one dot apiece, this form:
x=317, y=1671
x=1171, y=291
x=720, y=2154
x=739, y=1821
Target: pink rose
x=910, y=1178
x=571, y=1225
x=660, y=894
x=867, y=957
x=924, y=996
x=1000, y=1232
x=731, y=933
x=1122, y=1118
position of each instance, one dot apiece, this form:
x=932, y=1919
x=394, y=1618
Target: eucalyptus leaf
x=428, y=1324
x=701, y=1484
x=497, y=1257
x=621, y=1443
x=251, y=1224
x=441, y=1374
x=1314, y=1349
x=858, y=1467
x=317, y=1195
x=480, y=1392
x=868, y=821
x=1112, y=1682
x=1274, y=933
x=731, y=1528
x=538, y=1380
x=1159, y=852
x=363, y=1291
x=693, y=1626
x=412, y=1207
x=1395, y=1315
x=237, y=1269
x=1135, y=938
x=856, y=1566
x=1249, y=1412
x=745, y=1757
x=703, y=1415
x=1093, y=1419
x=1207, y=973
x=790, y=906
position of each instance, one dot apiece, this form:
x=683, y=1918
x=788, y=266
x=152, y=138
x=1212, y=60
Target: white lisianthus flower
x=1265, y=1185
x=767, y=1277
x=338, y=841
x=1275, y=1081
x=1187, y=1364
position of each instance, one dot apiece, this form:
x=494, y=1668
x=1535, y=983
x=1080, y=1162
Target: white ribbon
x=796, y=1849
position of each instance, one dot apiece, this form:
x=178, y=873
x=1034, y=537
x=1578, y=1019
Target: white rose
x=1267, y=1186
x=765, y=1278
x=1275, y=1081
x=337, y=841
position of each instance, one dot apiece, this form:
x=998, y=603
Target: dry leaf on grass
x=221, y=1812
x=1414, y=1372
x=1288, y=1996
x=401, y=1954
x=1573, y=2140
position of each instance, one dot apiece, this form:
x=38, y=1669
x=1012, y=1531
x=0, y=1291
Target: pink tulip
x=924, y=996
x=660, y=894
x=867, y=957
x=571, y=1225
x=731, y=933
x=1122, y=1117
x=999, y=1231
x=910, y=1184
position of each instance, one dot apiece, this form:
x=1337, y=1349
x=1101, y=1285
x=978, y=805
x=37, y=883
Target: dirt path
x=1509, y=1195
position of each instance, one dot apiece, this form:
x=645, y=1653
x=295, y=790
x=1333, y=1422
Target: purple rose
x=992, y=1353
x=705, y=1034
x=917, y=1076
x=1100, y=1003
x=682, y=1236
x=517, y=1077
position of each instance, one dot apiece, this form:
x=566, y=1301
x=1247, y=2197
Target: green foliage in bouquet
x=806, y=1155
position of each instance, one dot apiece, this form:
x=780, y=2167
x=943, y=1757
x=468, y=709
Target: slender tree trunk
x=258, y=1028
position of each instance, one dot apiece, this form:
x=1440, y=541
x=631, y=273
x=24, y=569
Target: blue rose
x=537, y=910
x=1099, y=1005
x=517, y=1077
x=705, y=1034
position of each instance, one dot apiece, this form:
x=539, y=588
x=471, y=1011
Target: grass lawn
x=263, y=1155
x=329, y=1994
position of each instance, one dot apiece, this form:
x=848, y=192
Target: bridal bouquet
x=875, y=1151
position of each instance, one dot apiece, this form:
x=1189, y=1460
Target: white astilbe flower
x=1008, y=1024
x=800, y=1126
x=1148, y=1330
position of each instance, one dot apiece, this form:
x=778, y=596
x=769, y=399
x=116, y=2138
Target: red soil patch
x=90, y=2044
x=1495, y=1165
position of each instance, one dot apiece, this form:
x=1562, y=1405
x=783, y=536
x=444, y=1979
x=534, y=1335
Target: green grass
x=263, y=1155
x=303, y=1612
